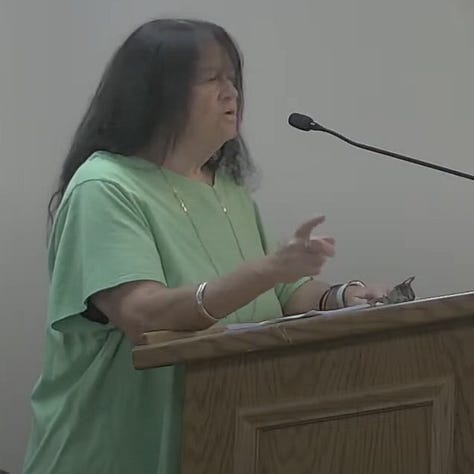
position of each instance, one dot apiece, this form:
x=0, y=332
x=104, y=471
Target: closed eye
x=218, y=77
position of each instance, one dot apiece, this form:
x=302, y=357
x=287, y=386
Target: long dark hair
x=144, y=94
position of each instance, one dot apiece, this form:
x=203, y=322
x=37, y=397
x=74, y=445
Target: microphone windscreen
x=300, y=121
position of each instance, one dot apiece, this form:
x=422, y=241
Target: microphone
x=305, y=123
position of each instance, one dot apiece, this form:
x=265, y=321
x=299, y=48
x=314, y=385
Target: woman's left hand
x=357, y=295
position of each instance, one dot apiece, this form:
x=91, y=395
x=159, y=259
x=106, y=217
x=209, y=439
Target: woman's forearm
x=143, y=306
x=222, y=296
x=305, y=298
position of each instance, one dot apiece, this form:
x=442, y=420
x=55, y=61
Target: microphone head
x=303, y=122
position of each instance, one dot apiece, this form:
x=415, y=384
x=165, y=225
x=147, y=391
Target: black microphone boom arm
x=305, y=123
x=400, y=157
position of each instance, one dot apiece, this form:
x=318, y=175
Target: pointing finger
x=304, y=231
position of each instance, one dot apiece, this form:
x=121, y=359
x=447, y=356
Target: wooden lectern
x=384, y=390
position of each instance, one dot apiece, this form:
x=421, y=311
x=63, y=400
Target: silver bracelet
x=199, y=300
x=341, y=303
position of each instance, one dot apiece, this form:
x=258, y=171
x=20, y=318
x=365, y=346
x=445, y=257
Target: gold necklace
x=183, y=206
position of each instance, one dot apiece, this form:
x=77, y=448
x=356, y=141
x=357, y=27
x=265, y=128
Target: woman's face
x=213, y=112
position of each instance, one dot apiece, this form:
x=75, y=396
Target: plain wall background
x=394, y=74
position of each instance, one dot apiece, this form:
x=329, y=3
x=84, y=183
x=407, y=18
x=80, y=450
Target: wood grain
x=167, y=348
x=271, y=436
x=393, y=442
x=402, y=403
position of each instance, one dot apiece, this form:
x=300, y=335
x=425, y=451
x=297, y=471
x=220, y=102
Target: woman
x=154, y=229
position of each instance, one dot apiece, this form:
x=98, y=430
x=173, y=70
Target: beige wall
x=395, y=74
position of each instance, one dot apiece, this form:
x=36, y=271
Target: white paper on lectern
x=294, y=317
x=349, y=309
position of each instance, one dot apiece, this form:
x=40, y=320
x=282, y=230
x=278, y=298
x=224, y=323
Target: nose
x=230, y=90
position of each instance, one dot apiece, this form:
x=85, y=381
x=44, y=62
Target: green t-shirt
x=119, y=221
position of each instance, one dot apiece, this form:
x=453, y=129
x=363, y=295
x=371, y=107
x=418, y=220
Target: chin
x=231, y=134
x=227, y=133
x=234, y=135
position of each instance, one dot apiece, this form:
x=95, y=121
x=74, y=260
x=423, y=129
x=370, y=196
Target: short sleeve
x=100, y=239
x=284, y=291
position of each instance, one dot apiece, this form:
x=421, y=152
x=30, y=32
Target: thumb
x=329, y=240
x=304, y=230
